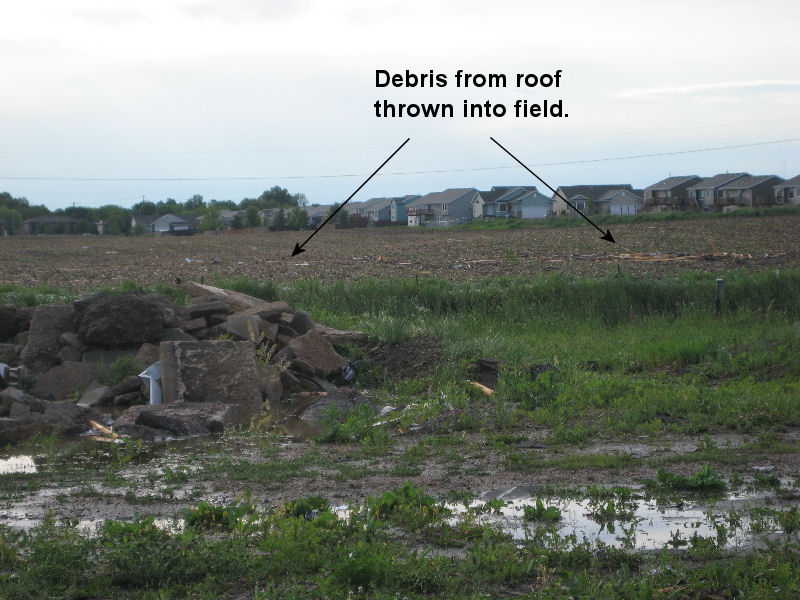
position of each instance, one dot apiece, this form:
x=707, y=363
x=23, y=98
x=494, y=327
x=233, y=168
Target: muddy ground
x=659, y=249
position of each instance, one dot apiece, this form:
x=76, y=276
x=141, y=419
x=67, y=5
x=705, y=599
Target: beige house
x=583, y=197
x=749, y=191
x=788, y=192
x=670, y=194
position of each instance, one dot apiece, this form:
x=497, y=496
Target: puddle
x=646, y=525
x=17, y=464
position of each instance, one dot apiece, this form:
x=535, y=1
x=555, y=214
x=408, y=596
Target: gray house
x=398, y=205
x=143, y=220
x=520, y=202
x=748, y=191
x=170, y=224
x=377, y=209
x=441, y=209
x=788, y=192
x=704, y=193
x=670, y=194
x=582, y=197
x=619, y=202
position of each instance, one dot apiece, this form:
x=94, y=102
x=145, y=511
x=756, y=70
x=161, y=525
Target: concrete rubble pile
x=213, y=364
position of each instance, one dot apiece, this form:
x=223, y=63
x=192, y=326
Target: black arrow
x=606, y=236
x=298, y=248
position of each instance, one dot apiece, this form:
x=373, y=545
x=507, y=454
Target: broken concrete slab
x=172, y=314
x=302, y=322
x=173, y=334
x=99, y=396
x=343, y=401
x=48, y=323
x=207, y=308
x=250, y=328
x=61, y=382
x=115, y=320
x=219, y=371
x=313, y=349
x=180, y=419
x=147, y=355
x=237, y=301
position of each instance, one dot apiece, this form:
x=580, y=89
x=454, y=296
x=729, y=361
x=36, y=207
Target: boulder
x=343, y=399
x=172, y=315
x=60, y=382
x=9, y=353
x=302, y=322
x=173, y=334
x=236, y=301
x=147, y=355
x=16, y=431
x=13, y=320
x=114, y=320
x=179, y=419
x=271, y=386
x=218, y=371
x=69, y=354
x=208, y=307
x=99, y=396
x=48, y=323
x=22, y=415
x=240, y=326
x=106, y=357
x=316, y=351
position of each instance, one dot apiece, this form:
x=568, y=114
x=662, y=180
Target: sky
x=107, y=102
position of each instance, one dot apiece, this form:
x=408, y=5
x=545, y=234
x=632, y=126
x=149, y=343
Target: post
x=719, y=295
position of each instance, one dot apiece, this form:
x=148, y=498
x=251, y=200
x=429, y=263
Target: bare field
x=658, y=249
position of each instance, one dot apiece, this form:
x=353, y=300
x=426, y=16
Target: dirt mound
x=409, y=359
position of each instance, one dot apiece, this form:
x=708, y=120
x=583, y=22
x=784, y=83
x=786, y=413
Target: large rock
x=114, y=320
x=61, y=382
x=22, y=415
x=180, y=419
x=172, y=315
x=312, y=350
x=343, y=401
x=241, y=326
x=13, y=320
x=48, y=323
x=218, y=371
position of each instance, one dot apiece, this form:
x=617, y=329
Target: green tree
x=144, y=208
x=252, y=217
x=12, y=218
x=279, y=221
x=194, y=204
x=298, y=219
x=237, y=222
x=211, y=221
x=277, y=196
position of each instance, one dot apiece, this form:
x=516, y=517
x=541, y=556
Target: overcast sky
x=151, y=92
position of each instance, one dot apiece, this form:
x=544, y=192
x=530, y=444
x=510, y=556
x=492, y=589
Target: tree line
x=290, y=214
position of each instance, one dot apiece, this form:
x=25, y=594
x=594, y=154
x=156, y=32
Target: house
x=750, y=190
x=170, y=223
x=49, y=224
x=670, y=194
x=704, y=192
x=788, y=192
x=520, y=202
x=619, y=202
x=317, y=214
x=582, y=197
x=440, y=209
x=267, y=214
x=398, y=208
x=227, y=217
x=377, y=209
x=144, y=220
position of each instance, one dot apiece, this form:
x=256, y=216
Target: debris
x=153, y=376
x=386, y=410
x=103, y=429
x=486, y=391
x=766, y=469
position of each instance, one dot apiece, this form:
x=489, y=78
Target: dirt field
x=659, y=249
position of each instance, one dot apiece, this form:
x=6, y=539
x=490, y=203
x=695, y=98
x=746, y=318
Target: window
x=580, y=205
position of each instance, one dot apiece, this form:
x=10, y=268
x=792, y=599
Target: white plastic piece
x=153, y=373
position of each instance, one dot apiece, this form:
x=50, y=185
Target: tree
x=211, y=221
x=237, y=222
x=195, y=203
x=12, y=218
x=298, y=219
x=279, y=221
x=170, y=206
x=222, y=204
x=277, y=196
x=144, y=208
x=252, y=217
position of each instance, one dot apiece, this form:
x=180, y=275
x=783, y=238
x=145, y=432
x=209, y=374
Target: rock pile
x=222, y=357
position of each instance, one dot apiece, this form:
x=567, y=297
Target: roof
x=51, y=219
x=749, y=181
x=496, y=192
x=145, y=219
x=794, y=181
x=611, y=193
x=672, y=182
x=591, y=191
x=716, y=181
x=318, y=211
x=170, y=218
x=445, y=197
x=377, y=204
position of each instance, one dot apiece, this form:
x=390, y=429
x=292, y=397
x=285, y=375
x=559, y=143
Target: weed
x=542, y=513
x=705, y=480
x=119, y=370
x=209, y=516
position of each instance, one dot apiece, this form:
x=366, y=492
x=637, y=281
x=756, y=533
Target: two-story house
x=670, y=194
x=748, y=191
x=582, y=197
x=439, y=209
x=704, y=193
x=788, y=192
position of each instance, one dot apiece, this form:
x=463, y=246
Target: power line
x=425, y=172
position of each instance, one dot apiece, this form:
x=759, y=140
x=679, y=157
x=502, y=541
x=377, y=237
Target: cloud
x=111, y=16
x=703, y=89
x=246, y=10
